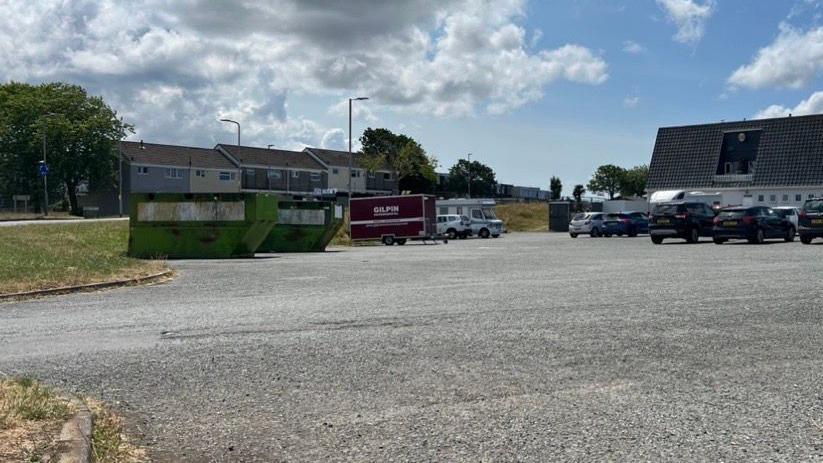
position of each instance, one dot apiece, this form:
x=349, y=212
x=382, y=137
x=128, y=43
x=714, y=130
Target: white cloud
x=689, y=16
x=792, y=60
x=631, y=101
x=360, y=110
x=630, y=46
x=811, y=105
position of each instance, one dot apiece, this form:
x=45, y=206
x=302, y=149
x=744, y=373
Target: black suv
x=810, y=221
x=754, y=224
x=681, y=219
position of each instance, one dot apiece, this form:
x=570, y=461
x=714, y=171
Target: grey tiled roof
x=790, y=153
x=248, y=155
x=338, y=158
x=172, y=155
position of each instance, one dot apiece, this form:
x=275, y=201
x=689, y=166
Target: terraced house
x=765, y=162
x=382, y=181
x=279, y=171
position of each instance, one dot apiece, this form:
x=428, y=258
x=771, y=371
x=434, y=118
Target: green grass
x=52, y=255
x=24, y=399
x=524, y=217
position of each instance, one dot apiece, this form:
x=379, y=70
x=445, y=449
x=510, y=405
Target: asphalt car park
x=532, y=347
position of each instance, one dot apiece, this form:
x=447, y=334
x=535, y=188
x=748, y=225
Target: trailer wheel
x=451, y=233
x=388, y=240
x=401, y=241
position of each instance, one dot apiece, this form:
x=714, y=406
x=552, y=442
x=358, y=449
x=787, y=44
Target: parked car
x=789, y=212
x=625, y=223
x=754, y=224
x=454, y=226
x=586, y=223
x=681, y=219
x=811, y=220
x=481, y=212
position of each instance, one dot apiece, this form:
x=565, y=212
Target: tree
x=483, y=181
x=579, y=191
x=606, y=179
x=81, y=134
x=556, y=187
x=633, y=182
x=414, y=168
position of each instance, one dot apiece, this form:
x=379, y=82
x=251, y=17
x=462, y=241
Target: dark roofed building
x=760, y=162
x=380, y=181
x=282, y=171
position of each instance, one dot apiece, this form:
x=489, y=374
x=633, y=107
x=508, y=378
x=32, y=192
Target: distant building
x=382, y=181
x=280, y=171
x=770, y=162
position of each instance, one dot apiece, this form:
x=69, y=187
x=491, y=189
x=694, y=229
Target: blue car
x=625, y=223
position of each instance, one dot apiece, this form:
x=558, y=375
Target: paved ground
x=532, y=347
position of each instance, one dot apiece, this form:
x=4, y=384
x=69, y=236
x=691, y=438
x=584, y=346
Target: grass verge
x=31, y=416
x=46, y=256
x=524, y=217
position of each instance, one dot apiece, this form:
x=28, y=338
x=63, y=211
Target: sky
x=533, y=88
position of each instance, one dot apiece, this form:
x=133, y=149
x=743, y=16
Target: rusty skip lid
x=234, y=211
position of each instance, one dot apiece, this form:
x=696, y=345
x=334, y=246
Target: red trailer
x=394, y=219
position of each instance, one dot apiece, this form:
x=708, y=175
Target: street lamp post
x=351, y=160
x=46, y=172
x=238, y=128
x=469, y=171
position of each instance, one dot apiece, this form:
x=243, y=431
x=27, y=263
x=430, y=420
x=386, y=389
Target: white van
x=484, y=221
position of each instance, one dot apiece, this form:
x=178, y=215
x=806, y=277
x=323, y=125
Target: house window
x=200, y=173
x=355, y=173
x=760, y=198
x=275, y=174
x=460, y=210
x=141, y=170
x=295, y=174
x=171, y=172
x=386, y=176
x=772, y=198
x=371, y=174
x=727, y=168
x=335, y=171
x=226, y=176
x=798, y=197
x=315, y=176
x=811, y=195
x=785, y=198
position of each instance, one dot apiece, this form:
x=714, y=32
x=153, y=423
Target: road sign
x=44, y=169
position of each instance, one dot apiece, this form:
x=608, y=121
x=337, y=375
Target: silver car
x=587, y=223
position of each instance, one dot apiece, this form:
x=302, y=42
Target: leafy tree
x=607, y=179
x=633, y=182
x=579, y=191
x=483, y=181
x=414, y=168
x=81, y=134
x=556, y=187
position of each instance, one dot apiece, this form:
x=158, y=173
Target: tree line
x=607, y=179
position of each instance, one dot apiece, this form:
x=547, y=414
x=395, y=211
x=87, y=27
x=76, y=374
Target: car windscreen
x=669, y=209
x=732, y=214
x=813, y=206
x=579, y=217
x=489, y=213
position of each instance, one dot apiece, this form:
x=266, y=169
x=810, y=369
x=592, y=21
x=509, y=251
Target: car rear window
x=813, y=206
x=612, y=216
x=669, y=209
x=732, y=214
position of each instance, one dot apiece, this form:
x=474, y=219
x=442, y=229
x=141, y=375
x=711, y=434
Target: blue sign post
x=44, y=169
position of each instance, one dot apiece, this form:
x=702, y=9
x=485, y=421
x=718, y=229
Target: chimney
x=142, y=146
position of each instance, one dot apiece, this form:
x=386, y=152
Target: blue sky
x=532, y=88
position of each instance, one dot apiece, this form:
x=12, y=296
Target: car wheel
x=573, y=235
x=607, y=235
x=718, y=240
x=595, y=232
x=657, y=239
x=805, y=239
x=789, y=235
x=463, y=235
x=401, y=241
x=484, y=233
x=451, y=233
x=758, y=238
x=388, y=240
x=694, y=236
